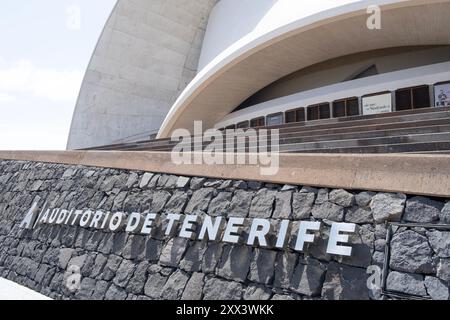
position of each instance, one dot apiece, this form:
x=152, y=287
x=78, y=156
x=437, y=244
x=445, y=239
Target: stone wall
x=130, y=266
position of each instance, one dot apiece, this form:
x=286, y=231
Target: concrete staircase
x=412, y=131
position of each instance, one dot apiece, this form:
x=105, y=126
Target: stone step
x=413, y=147
x=406, y=132
x=340, y=144
x=434, y=126
x=327, y=124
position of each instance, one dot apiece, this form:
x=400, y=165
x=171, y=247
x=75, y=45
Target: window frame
x=318, y=105
x=295, y=112
x=346, y=107
x=258, y=119
x=411, y=95
x=243, y=125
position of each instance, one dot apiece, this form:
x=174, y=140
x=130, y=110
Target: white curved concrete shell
x=280, y=46
x=146, y=55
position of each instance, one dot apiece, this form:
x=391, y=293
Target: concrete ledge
x=411, y=174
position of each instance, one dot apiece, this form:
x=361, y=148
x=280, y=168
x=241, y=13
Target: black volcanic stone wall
x=126, y=266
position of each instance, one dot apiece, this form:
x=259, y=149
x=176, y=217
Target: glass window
x=258, y=122
x=319, y=111
x=300, y=113
x=243, y=125
x=353, y=107
x=403, y=99
x=339, y=109
x=313, y=113
x=421, y=97
x=346, y=108
x=413, y=98
x=290, y=117
x=274, y=119
x=324, y=111
x=296, y=115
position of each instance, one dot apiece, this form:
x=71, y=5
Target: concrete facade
x=257, y=60
x=161, y=65
x=391, y=81
x=343, y=69
x=146, y=55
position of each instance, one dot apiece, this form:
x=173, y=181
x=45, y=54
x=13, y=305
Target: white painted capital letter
x=211, y=230
x=303, y=235
x=189, y=226
x=232, y=232
x=171, y=218
x=259, y=230
x=336, y=237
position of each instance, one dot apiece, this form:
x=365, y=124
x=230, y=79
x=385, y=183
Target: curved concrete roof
x=254, y=62
x=147, y=54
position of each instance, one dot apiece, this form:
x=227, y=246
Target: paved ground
x=12, y=291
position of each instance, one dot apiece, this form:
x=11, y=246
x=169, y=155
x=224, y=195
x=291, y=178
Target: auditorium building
x=355, y=92
x=160, y=66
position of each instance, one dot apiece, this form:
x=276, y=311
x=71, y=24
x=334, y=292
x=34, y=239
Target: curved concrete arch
x=253, y=63
x=148, y=52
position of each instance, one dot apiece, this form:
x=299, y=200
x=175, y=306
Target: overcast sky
x=45, y=48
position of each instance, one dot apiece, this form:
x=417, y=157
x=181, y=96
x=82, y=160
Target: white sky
x=45, y=47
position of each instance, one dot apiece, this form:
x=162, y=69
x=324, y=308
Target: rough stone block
x=137, y=281
x=257, y=293
x=177, y=202
x=173, y=252
x=440, y=243
x=359, y=215
x=262, y=204
x=302, y=204
x=192, y=261
x=64, y=256
x=422, y=210
x=410, y=252
x=212, y=257
x=342, y=198
x=284, y=268
x=240, y=204
x=328, y=211
x=406, y=283
x=219, y=206
x=200, y=200
x=124, y=273
x=235, y=262
x=388, y=207
x=194, y=287
x=174, y=287
x=283, y=205
x=443, y=270
x=115, y=293
x=154, y=286
x=262, y=266
x=345, y=283
x=444, y=216
x=437, y=289
x=308, y=278
x=217, y=289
